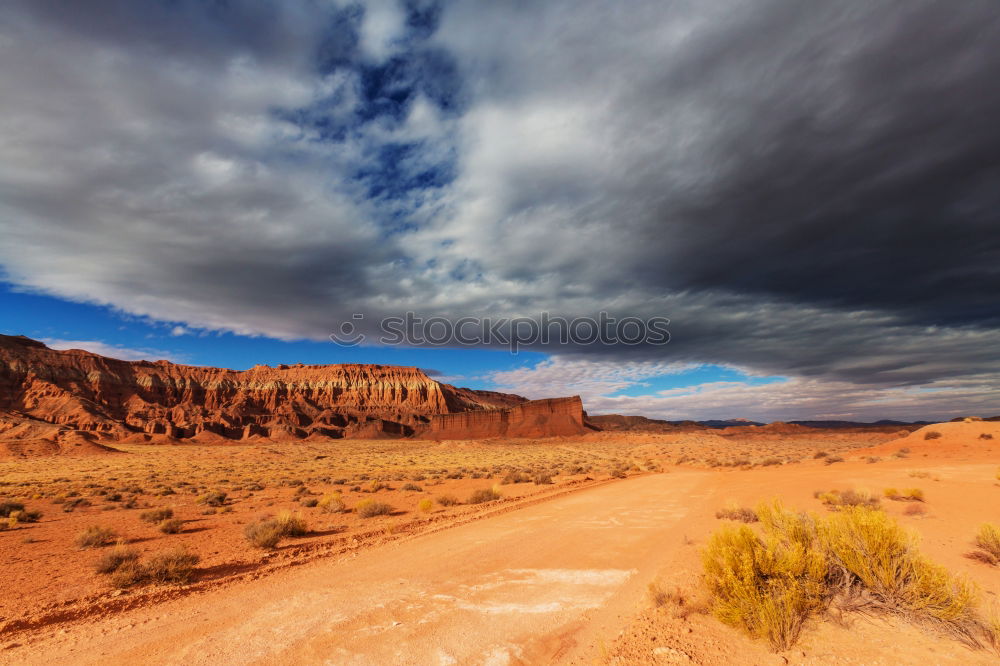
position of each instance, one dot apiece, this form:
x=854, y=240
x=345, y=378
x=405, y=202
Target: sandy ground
x=559, y=581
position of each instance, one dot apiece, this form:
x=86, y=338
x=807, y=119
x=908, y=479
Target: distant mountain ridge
x=644, y=424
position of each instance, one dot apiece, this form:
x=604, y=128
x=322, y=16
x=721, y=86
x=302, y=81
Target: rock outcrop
x=52, y=395
x=536, y=418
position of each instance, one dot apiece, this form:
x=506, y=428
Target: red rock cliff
x=48, y=394
x=537, y=418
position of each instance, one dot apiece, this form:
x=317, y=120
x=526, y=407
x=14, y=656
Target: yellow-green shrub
x=370, y=508
x=988, y=538
x=882, y=557
x=332, y=503
x=769, y=584
x=291, y=525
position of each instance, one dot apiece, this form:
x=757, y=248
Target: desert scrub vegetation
x=515, y=476
x=907, y=495
x=266, y=534
x=118, y=556
x=213, y=498
x=13, y=513
x=332, y=503
x=171, y=525
x=679, y=602
x=156, y=515
x=291, y=524
x=483, y=495
x=263, y=534
x=18, y=511
x=766, y=586
x=447, y=500
x=737, y=513
x=126, y=569
x=370, y=508
x=836, y=499
x=95, y=536
x=988, y=541
x=932, y=434
x=769, y=584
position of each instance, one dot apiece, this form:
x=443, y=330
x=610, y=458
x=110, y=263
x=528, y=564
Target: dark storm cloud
x=805, y=189
x=863, y=181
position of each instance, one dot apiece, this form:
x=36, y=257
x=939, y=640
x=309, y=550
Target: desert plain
x=572, y=549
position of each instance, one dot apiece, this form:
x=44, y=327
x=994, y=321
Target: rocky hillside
x=536, y=418
x=77, y=396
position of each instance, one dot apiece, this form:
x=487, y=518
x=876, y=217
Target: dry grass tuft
x=836, y=499
x=483, y=495
x=95, y=536
x=370, y=508
x=156, y=515
x=988, y=538
x=738, y=513
x=213, y=498
x=932, y=434
x=171, y=525
x=982, y=556
x=291, y=524
x=264, y=534
x=677, y=601
x=426, y=505
x=332, y=503
x=268, y=533
x=115, y=558
x=173, y=566
x=515, y=476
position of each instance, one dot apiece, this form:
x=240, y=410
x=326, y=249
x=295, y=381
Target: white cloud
x=113, y=351
x=788, y=399
x=383, y=24
x=590, y=379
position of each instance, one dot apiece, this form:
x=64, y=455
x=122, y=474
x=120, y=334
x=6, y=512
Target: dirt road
x=553, y=582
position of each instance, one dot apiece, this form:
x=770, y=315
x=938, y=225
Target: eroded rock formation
x=536, y=418
x=61, y=395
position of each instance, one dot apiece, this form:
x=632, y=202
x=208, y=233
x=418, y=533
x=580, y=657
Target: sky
x=807, y=191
